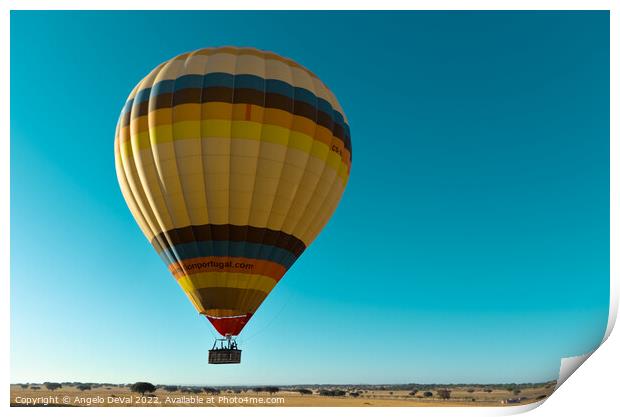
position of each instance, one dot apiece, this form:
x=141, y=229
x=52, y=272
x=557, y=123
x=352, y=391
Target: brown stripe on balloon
x=141, y=109
x=249, y=96
x=339, y=132
x=225, y=232
x=126, y=117
x=160, y=101
x=187, y=95
x=228, y=298
x=278, y=101
x=306, y=110
x=221, y=94
x=168, y=237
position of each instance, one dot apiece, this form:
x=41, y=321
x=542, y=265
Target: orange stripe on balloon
x=191, y=266
x=248, y=112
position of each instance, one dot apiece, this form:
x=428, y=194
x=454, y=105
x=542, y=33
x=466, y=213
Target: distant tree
x=83, y=387
x=272, y=390
x=354, y=394
x=52, y=386
x=516, y=391
x=473, y=399
x=444, y=394
x=413, y=392
x=143, y=387
x=488, y=390
x=237, y=391
x=470, y=390
x=304, y=391
x=257, y=389
x=332, y=392
x=211, y=391
x=35, y=388
x=24, y=385
x=195, y=390
x=171, y=388
x=391, y=392
x=428, y=394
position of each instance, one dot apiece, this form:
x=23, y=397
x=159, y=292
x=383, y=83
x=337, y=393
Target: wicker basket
x=221, y=356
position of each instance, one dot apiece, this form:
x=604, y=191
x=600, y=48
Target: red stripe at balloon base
x=230, y=326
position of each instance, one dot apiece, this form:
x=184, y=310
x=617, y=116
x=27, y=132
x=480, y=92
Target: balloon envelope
x=231, y=160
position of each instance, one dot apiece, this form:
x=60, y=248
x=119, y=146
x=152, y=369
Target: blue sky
x=471, y=245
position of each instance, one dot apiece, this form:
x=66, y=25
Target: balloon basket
x=226, y=352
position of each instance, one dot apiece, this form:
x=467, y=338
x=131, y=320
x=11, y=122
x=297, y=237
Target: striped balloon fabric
x=231, y=160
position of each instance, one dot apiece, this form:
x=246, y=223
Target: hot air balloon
x=231, y=161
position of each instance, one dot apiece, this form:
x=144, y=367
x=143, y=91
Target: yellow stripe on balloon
x=243, y=130
x=227, y=280
x=158, y=122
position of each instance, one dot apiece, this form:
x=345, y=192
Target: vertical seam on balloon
x=313, y=194
x=127, y=175
x=243, y=287
x=244, y=296
x=293, y=229
x=128, y=194
x=230, y=174
x=248, y=299
x=202, y=157
x=290, y=235
x=325, y=211
x=138, y=183
x=126, y=187
x=129, y=191
x=329, y=189
x=176, y=163
x=165, y=233
x=279, y=238
x=327, y=208
x=269, y=251
x=332, y=208
x=316, y=121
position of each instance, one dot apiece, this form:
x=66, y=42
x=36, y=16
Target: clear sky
x=471, y=245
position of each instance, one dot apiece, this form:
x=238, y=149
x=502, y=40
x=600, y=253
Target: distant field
x=114, y=396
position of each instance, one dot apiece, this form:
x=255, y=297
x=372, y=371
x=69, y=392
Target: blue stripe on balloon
x=229, y=249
